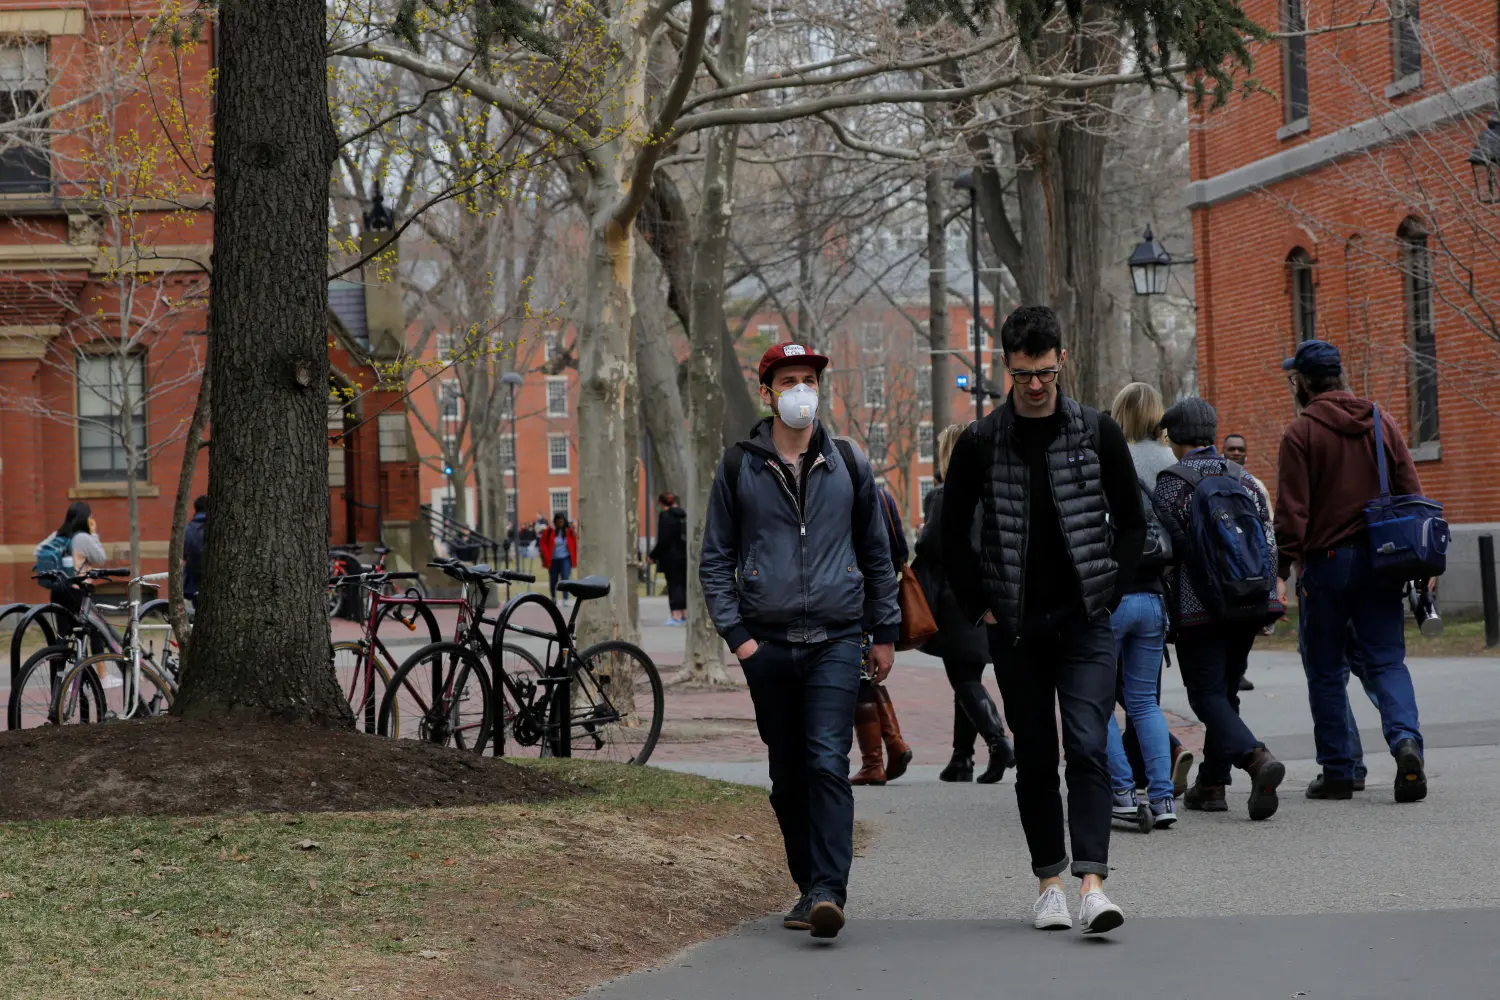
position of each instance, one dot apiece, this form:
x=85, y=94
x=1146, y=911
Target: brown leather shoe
x=1266, y=773
x=867, y=732
x=897, y=752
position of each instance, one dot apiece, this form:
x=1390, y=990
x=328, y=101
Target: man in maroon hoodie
x=1325, y=476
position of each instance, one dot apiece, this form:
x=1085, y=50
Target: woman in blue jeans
x=1140, y=626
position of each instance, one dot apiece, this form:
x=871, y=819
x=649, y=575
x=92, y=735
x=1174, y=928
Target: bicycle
x=62, y=684
x=344, y=569
x=365, y=667
x=590, y=702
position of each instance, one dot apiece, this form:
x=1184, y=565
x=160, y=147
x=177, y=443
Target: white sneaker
x=1098, y=914
x=1051, y=911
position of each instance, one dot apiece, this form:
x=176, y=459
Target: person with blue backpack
x=1351, y=519
x=1226, y=591
x=71, y=550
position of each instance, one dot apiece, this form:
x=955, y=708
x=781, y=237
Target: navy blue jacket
x=800, y=560
x=192, y=555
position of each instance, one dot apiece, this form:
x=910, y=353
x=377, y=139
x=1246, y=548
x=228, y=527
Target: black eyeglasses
x=1046, y=376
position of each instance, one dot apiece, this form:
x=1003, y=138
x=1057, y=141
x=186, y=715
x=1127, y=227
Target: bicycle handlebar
x=403, y=576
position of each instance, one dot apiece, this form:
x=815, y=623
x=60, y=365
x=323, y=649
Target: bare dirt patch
x=171, y=767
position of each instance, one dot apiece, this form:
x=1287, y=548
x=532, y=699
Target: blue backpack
x=1232, y=566
x=1408, y=536
x=50, y=565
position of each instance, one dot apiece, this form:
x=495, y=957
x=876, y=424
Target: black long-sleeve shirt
x=1052, y=588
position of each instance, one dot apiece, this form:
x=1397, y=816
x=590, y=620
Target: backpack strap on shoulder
x=734, y=457
x=1186, y=473
x=861, y=516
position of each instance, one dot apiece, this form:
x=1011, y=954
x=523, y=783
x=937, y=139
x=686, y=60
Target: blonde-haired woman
x=963, y=646
x=1140, y=627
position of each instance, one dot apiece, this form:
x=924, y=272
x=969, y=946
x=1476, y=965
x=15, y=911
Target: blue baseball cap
x=1315, y=357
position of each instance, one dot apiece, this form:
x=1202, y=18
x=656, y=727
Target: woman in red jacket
x=559, y=545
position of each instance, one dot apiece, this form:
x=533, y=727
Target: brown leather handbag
x=917, y=623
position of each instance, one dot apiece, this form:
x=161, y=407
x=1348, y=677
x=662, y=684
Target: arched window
x=1299, y=266
x=1421, y=338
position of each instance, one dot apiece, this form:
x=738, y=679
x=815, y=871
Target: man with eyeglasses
x=1062, y=531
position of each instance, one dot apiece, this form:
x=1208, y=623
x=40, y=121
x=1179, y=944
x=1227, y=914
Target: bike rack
x=556, y=675
x=38, y=614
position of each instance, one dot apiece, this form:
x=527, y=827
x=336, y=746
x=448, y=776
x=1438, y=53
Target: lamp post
x=965, y=182
x=1485, y=163
x=1151, y=264
x=514, y=380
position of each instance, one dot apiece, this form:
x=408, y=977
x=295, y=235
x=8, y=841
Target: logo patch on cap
x=793, y=349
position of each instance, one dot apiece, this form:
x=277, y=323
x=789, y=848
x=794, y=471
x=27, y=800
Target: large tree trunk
x=262, y=647
x=704, y=659
x=741, y=407
x=661, y=402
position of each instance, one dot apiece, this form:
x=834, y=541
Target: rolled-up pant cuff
x=1052, y=870
x=1082, y=868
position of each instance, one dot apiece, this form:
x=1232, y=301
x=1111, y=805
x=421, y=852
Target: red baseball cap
x=782, y=355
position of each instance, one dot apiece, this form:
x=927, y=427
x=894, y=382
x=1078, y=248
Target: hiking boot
x=1246, y=684
x=1205, y=798
x=1164, y=812
x=897, y=754
x=960, y=768
x=1182, y=766
x=1411, y=777
x=1266, y=772
x=1128, y=808
x=1324, y=787
x=796, y=917
x=825, y=917
x=1098, y=914
x=867, y=732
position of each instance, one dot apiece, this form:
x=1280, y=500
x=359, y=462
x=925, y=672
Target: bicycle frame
x=558, y=699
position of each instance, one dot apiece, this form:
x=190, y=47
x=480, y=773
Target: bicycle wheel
x=441, y=694
x=522, y=702
x=158, y=644
x=36, y=687
x=111, y=672
x=364, y=678
x=617, y=703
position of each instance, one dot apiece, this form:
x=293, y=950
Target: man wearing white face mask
x=796, y=568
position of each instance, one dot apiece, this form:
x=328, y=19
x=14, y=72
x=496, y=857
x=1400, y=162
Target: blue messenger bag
x=1408, y=536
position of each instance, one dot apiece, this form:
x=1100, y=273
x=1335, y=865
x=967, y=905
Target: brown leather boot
x=867, y=732
x=897, y=753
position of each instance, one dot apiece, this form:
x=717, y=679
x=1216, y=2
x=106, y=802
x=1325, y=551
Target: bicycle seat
x=381, y=550
x=587, y=589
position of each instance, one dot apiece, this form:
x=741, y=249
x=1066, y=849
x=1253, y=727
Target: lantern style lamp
x=1485, y=163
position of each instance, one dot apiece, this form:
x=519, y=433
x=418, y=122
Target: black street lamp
x=514, y=380
x=1485, y=163
x=965, y=182
x=1151, y=264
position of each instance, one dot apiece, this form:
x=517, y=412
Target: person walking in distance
x=963, y=646
x=670, y=555
x=559, y=544
x=192, y=550
x=875, y=724
x=72, y=550
x=1140, y=627
x=1062, y=530
x=1326, y=474
x=796, y=569
x=1226, y=592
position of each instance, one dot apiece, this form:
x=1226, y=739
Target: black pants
x=1073, y=670
x=676, y=587
x=1212, y=660
x=966, y=679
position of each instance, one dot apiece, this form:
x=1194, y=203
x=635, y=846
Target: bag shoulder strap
x=861, y=517
x=1385, y=479
x=734, y=457
x=1186, y=473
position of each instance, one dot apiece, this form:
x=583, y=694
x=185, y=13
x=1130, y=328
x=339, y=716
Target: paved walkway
x=1360, y=900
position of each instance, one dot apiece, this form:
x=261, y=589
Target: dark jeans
x=558, y=569
x=1348, y=616
x=1212, y=660
x=676, y=588
x=1071, y=674
x=804, y=708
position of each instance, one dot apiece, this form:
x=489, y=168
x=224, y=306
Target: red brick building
x=105, y=233
x=1343, y=207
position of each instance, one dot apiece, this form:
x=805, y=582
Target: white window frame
x=100, y=390
x=925, y=485
x=335, y=448
x=549, y=343
x=553, y=382
x=924, y=386
x=874, y=387
x=872, y=337
x=507, y=452
x=567, y=454
x=880, y=430
x=566, y=492
x=989, y=338
x=924, y=430
x=392, y=437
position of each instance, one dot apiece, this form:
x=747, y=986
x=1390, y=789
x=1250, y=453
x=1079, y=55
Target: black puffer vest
x=1078, y=492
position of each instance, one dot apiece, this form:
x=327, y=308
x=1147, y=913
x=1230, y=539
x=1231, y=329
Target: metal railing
x=463, y=542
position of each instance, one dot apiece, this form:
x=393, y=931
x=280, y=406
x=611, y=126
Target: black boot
x=960, y=767
x=986, y=719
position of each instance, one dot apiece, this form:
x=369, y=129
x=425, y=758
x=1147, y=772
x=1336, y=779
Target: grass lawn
x=521, y=901
x=1461, y=637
